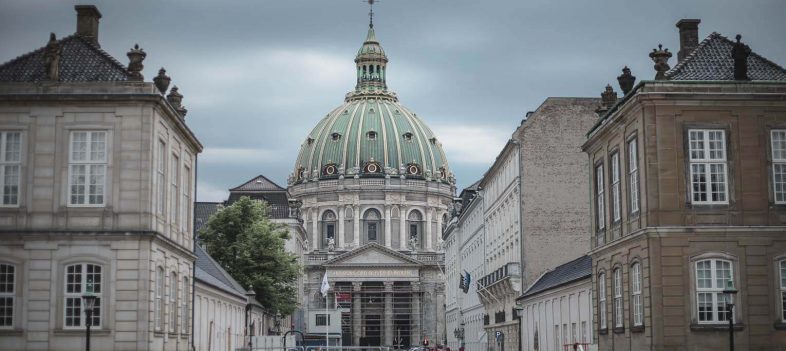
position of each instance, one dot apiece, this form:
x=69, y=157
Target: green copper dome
x=371, y=134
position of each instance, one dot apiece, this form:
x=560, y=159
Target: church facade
x=374, y=187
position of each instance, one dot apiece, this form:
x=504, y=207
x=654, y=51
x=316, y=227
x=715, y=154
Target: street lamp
x=89, y=302
x=729, y=293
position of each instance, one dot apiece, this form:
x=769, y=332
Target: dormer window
x=371, y=110
x=407, y=136
x=372, y=135
x=309, y=141
x=433, y=140
x=372, y=167
x=335, y=136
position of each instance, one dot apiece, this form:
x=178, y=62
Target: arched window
x=618, y=308
x=159, y=310
x=184, y=316
x=328, y=227
x=81, y=278
x=7, y=294
x=415, y=227
x=635, y=294
x=371, y=221
x=602, y=300
x=712, y=276
x=172, y=302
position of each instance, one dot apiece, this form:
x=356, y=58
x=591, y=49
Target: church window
x=10, y=165
x=372, y=218
x=413, y=169
x=407, y=136
x=87, y=168
x=81, y=278
x=372, y=135
x=7, y=294
x=328, y=227
x=335, y=136
x=329, y=169
x=172, y=302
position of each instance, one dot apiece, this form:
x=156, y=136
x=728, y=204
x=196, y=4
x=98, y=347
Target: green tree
x=250, y=247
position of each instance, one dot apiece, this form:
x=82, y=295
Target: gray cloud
x=258, y=75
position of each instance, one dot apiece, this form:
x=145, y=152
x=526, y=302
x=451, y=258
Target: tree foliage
x=250, y=247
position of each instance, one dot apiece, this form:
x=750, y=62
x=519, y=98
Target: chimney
x=689, y=37
x=87, y=22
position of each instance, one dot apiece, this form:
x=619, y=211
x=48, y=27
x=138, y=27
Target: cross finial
x=371, y=14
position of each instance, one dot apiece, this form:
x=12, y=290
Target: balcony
x=503, y=282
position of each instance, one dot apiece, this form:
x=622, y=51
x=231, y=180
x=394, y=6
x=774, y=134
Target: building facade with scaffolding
x=374, y=188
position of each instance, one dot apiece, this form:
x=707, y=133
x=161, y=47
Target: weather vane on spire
x=371, y=14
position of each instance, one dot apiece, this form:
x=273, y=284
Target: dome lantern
x=371, y=61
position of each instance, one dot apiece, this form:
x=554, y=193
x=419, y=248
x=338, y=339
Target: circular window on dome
x=329, y=169
x=407, y=136
x=372, y=135
x=335, y=136
x=372, y=167
x=413, y=169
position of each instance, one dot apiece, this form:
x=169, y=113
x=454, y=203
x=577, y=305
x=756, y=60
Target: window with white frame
x=565, y=334
x=573, y=332
x=161, y=175
x=87, y=168
x=601, y=206
x=159, y=310
x=173, y=302
x=615, y=186
x=778, y=146
x=10, y=167
x=584, y=332
x=81, y=278
x=602, y=300
x=174, y=197
x=186, y=205
x=712, y=276
x=635, y=294
x=618, y=308
x=633, y=175
x=7, y=294
x=782, y=269
x=184, y=317
x=708, y=172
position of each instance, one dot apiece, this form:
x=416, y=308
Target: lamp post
x=89, y=302
x=729, y=293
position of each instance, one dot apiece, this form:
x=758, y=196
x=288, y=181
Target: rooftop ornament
x=52, y=58
x=626, y=81
x=176, y=100
x=609, y=97
x=135, y=57
x=162, y=80
x=661, y=58
x=740, y=53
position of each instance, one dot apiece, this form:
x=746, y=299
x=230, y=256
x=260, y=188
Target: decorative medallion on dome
x=413, y=169
x=330, y=169
x=372, y=167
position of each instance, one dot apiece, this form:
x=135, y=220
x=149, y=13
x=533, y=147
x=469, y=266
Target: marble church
x=375, y=189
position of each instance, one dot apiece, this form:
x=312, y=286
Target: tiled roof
x=577, y=269
x=80, y=61
x=203, y=211
x=210, y=272
x=259, y=183
x=712, y=60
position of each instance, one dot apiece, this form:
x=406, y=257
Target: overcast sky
x=258, y=75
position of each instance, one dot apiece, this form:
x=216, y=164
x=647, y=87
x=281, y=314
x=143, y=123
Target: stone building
x=98, y=173
x=283, y=211
x=687, y=193
x=375, y=187
x=556, y=310
x=465, y=254
x=501, y=284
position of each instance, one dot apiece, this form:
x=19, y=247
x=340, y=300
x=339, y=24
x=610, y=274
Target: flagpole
x=327, y=325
